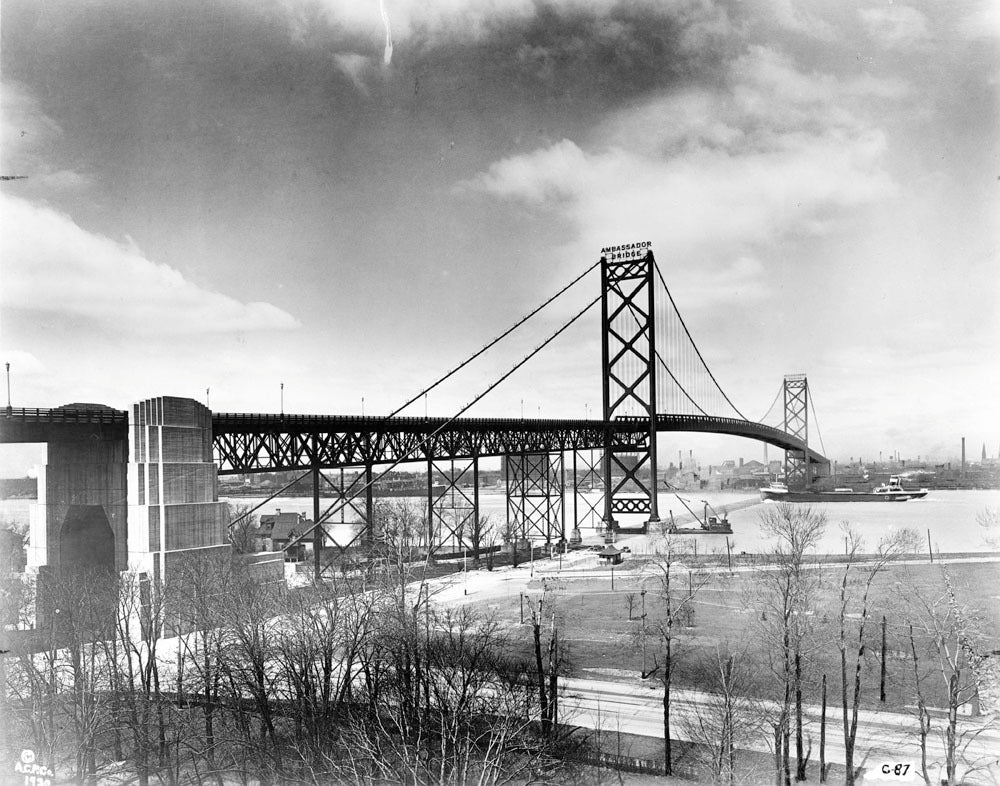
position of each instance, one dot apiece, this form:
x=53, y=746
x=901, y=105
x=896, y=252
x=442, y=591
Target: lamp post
x=207, y=399
x=282, y=398
x=10, y=409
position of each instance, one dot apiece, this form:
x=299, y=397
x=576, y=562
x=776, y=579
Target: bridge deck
x=246, y=442
x=33, y=424
x=262, y=442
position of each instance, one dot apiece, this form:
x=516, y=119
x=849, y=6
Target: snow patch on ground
x=618, y=673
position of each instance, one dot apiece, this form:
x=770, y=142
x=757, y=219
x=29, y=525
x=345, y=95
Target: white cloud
x=52, y=265
x=555, y=173
x=895, y=25
x=28, y=136
x=22, y=363
x=982, y=21
x=439, y=21
x=796, y=16
x=738, y=281
x=782, y=153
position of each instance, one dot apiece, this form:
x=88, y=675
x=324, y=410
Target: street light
x=282, y=398
x=10, y=409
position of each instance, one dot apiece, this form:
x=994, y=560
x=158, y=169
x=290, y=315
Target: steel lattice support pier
x=453, y=512
x=535, y=509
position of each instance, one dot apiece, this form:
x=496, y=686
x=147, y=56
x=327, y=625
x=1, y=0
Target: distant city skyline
x=239, y=195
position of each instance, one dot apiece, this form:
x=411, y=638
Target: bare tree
x=319, y=653
x=729, y=719
x=787, y=588
x=248, y=647
x=989, y=520
x=242, y=527
x=134, y=671
x=198, y=600
x=677, y=607
x=951, y=651
x=34, y=671
x=469, y=728
x=481, y=535
x=852, y=644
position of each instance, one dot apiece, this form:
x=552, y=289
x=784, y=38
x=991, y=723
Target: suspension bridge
x=655, y=380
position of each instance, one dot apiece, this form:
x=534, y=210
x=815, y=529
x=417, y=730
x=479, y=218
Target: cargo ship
x=892, y=491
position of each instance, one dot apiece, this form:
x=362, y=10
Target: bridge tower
x=628, y=355
x=796, y=397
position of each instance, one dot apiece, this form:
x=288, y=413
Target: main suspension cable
x=816, y=421
x=697, y=351
x=776, y=397
x=343, y=503
x=631, y=308
x=492, y=343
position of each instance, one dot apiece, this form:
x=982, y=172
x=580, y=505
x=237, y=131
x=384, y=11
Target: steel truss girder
x=267, y=443
x=796, y=400
x=535, y=485
x=454, y=510
x=629, y=374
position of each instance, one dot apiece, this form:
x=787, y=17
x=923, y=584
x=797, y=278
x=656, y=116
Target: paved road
x=883, y=736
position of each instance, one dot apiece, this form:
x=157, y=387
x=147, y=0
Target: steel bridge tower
x=628, y=356
x=796, y=395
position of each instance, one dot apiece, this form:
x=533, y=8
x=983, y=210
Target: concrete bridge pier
x=78, y=526
x=174, y=513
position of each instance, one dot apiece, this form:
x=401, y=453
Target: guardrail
x=66, y=415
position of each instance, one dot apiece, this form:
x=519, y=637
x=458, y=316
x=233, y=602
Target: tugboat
x=892, y=491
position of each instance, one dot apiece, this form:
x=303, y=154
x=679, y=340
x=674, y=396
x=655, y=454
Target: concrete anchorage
x=174, y=513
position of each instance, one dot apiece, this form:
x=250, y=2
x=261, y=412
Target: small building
x=611, y=554
x=276, y=531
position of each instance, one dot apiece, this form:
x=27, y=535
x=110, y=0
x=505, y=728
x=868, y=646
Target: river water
x=949, y=516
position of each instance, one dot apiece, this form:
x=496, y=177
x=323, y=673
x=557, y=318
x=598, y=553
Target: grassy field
x=602, y=641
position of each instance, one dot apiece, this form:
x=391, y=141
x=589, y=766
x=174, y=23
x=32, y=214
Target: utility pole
x=10, y=409
x=881, y=688
x=642, y=594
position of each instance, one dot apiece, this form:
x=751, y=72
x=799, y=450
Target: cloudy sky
x=348, y=197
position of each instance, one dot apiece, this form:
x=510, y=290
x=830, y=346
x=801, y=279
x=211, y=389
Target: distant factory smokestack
x=963, y=458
